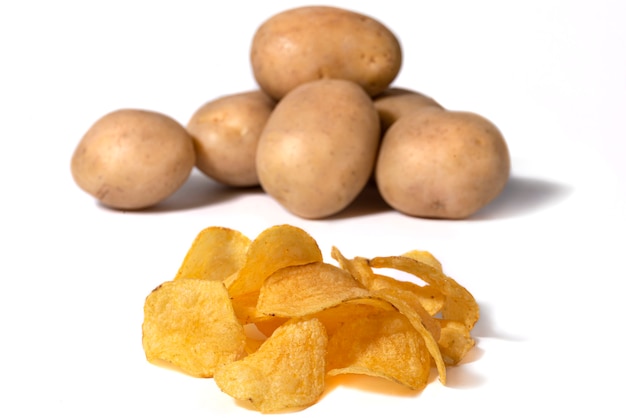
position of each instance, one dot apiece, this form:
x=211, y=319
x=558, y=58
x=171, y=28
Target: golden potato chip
x=424, y=257
x=383, y=344
x=245, y=307
x=360, y=269
x=460, y=305
x=429, y=297
x=335, y=317
x=287, y=371
x=268, y=324
x=425, y=325
x=191, y=324
x=455, y=341
x=215, y=254
x=306, y=289
x=276, y=247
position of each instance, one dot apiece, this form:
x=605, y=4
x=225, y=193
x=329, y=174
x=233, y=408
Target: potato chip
x=455, y=341
x=191, y=324
x=215, y=254
x=360, y=269
x=410, y=307
x=305, y=289
x=424, y=257
x=431, y=299
x=382, y=344
x=268, y=324
x=276, y=247
x=349, y=311
x=245, y=307
x=460, y=305
x=287, y=371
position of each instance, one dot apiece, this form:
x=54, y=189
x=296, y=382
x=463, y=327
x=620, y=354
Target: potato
x=318, y=148
x=133, y=159
x=314, y=42
x=226, y=132
x=395, y=102
x=442, y=164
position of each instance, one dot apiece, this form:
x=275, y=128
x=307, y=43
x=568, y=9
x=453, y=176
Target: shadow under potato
x=521, y=196
x=197, y=192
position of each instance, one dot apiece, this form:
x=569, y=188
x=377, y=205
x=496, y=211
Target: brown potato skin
x=442, y=164
x=314, y=42
x=132, y=159
x=318, y=148
x=226, y=132
x=395, y=102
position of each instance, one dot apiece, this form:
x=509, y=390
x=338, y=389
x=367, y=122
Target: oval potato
x=226, y=133
x=314, y=42
x=133, y=159
x=318, y=148
x=442, y=164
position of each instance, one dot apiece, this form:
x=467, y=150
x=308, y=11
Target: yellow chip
x=459, y=305
x=424, y=257
x=408, y=305
x=306, y=289
x=358, y=267
x=429, y=297
x=382, y=344
x=274, y=248
x=191, y=324
x=287, y=371
x=455, y=341
x=349, y=311
x=268, y=324
x=215, y=254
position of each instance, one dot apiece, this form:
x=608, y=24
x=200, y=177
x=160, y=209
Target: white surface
x=545, y=260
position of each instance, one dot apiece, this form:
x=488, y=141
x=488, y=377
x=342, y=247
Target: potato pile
x=324, y=122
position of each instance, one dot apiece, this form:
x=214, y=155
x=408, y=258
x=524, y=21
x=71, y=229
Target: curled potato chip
x=276, y=247
x=431, y=299
x=382, y=344
x=409, y=307
x=455, y=341
x=307, y=289
x=424, y=257
x=191, y=324
x=360, y=269
x=349, y=311
x=245, y=308
x=268, y=324
x=287, y=371
x=459, y=305
x=215, y=254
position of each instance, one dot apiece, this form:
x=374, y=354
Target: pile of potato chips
x=270, y=321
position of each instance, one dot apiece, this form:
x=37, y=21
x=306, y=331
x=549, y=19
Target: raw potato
x=133, y=159
x=319, y=147
x=314, y=42
x=442, y=164
x=395, y=102
x=226, y=132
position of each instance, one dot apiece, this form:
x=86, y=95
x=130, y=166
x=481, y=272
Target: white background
x=545, y=260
